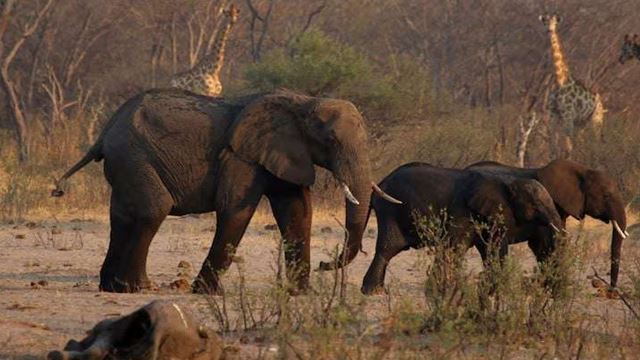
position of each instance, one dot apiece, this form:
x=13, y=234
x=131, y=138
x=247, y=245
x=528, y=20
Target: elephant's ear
x=488, y=198
x=565, y=187
x=268, y=132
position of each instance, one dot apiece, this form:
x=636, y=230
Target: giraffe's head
x=232, y=13
x=550, y=21
x=630, y=48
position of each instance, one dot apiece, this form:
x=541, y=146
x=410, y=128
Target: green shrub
x=320, y=65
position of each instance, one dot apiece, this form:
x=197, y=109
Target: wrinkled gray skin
x=160, y=330
x=174, y=152
x=577, y=191
x=524, y=205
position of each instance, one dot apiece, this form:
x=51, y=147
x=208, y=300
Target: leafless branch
x=256, y=44
x=619, y=293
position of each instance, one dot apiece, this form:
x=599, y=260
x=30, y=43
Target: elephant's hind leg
x=133, y=226
x=292, y=209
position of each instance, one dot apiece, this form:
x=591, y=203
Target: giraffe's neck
x=212, y=63
x=559, y=63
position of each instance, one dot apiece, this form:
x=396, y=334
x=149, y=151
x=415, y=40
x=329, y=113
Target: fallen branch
x=622, y=297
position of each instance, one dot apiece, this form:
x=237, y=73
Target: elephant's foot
x=118, y=285
x=376, y=289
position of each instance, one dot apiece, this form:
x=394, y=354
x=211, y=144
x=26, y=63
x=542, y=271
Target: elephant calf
x=524, y=204
x=578, y=191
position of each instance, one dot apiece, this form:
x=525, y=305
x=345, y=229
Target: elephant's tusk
x=184, y=321
x=554, y=227
x=349, y=195
x=384, y=195
x=617, y=227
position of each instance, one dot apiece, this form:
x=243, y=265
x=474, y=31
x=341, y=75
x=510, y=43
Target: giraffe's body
x=572, y=103
x=204, y=78
x=630, y=48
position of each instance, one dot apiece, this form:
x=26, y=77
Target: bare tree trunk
x=256, y=44
x=156, y=56
x=500, y=74
x=174, y=45
x=35, y=63
x=16, y=115
x=7, y=57
x=525, y=129
x=487, y=86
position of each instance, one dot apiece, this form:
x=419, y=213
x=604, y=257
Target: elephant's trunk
x=356, y=175
x=618, y=233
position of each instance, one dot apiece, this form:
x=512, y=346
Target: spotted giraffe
x=571, y=102
x=630, y=48
x=204, y=77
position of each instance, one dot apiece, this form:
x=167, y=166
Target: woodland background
x=443, y=81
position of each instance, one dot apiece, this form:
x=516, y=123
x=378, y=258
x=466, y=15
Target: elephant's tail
x=94, y=153
x=125, y=112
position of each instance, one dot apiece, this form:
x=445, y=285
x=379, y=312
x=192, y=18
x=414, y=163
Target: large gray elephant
x=524, y=206
x=577, y=191
x=172, y=152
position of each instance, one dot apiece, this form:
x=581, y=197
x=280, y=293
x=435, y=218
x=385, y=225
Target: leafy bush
x=320, y=65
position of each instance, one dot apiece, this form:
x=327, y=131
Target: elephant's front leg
x=487, y=248
x=240, y=188
x=291, y=206
x=133, y=226
x=390, y=242
x=231, y=226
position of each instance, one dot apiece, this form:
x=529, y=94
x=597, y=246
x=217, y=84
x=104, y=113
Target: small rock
x=271, y=227
x=326, y=230
x=80, y=284
x=608, y=293
x=598, y=284
x=183, y=264
x=181, y=285
x=56, y=231
x=20, y=236
x=67, y=264
x=31, y=225
x=40, y=284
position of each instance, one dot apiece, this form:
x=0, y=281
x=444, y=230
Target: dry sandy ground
x=36, y=318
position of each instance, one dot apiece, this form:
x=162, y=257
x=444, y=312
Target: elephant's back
x=178, y=135
x=420, y=185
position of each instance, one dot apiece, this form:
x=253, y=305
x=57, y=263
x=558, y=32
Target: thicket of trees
x=453, y=78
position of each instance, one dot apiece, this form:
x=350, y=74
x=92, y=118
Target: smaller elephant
x=577, y=191
x=159, y=330
x=524, y=206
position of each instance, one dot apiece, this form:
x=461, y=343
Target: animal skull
x=160, y=330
